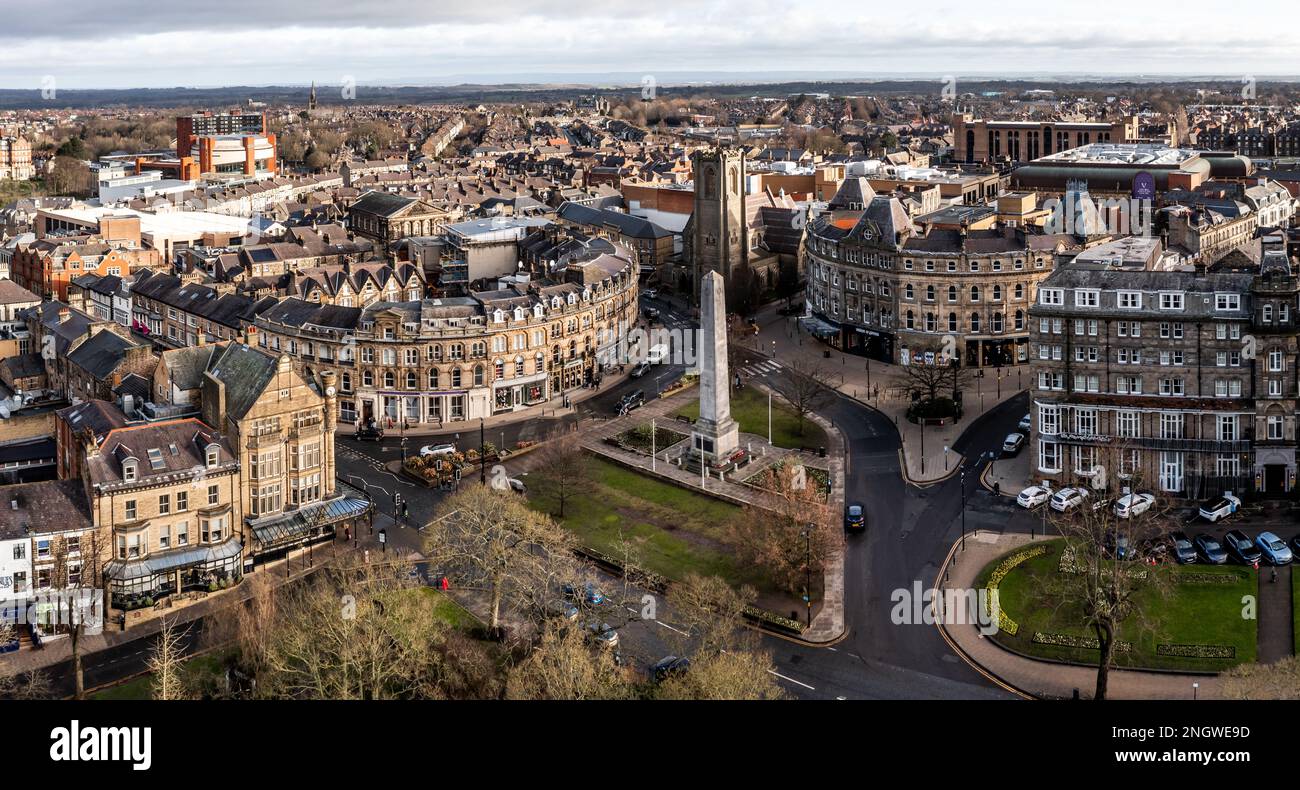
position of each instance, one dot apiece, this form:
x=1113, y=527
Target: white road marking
x=792, y=680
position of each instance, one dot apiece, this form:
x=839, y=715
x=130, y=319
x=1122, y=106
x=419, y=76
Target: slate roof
x=245, y=370
x=97, y=415
x=44, y=507
x=383, y=204
x=181, y=445
x=186, y=366
x=101, y=354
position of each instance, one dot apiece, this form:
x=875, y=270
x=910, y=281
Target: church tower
x=717, y=237
x=311, y=100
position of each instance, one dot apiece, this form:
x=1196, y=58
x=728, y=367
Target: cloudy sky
x=133, y=43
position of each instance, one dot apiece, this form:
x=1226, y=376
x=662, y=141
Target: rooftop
x=1150, y=154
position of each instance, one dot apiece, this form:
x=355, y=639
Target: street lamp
x=482, y=451
x=962, y=468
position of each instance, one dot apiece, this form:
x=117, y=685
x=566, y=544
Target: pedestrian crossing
x=763, y=368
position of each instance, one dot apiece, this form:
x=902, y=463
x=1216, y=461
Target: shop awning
x=125, y=570
x=817, y=327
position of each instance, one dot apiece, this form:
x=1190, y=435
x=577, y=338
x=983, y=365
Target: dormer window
x=129, y=470
x=214, y=456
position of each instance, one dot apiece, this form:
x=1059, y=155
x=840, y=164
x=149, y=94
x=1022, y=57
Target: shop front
x=277, y=534
x=518, y=393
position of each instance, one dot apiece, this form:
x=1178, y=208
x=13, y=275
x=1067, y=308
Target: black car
x=370, y=432
x=1184, y=551
x=1210, y=550
x=630, y=401
x=1242, y=548
x=855, y=519
x=669, y=666
x=1295, y=546
x=651, y=312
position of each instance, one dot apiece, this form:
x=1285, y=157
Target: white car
x=1219, y=507
x=1033, y=496
x=1012, y=444
x=1026, y=423
x=437, y=449
x=1131, y=505
x=1068, y=498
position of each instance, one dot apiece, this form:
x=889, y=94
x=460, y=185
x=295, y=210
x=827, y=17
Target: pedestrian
x=444, y=584
x=1273, y=576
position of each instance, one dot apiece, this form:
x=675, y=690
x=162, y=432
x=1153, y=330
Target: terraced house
x=178, y=311
x=461, y=358
x=1183, y=379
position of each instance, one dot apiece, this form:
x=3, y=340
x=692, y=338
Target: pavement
x=929, y=451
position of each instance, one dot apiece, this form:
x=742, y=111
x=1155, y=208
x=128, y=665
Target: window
x=1275, y=360
x=1051, y=296
x=214, y=495
x=1126, y=424
x=1049, y=457
x=155, y=458
x=164, y=504
x=214, y=456
x=128, y=470
x=1087, y=298
x=130, y=510
x=1275, y=427
x=1171, y=301
x=1130, y=300
x=1227, y=427
x=1227, y=301
x=164, y=537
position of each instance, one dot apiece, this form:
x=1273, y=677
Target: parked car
x=1219, y=507
x=1274, y=549
x=1013, y=443
x=1026, y=423
x=669, y=666
x=630, y=401
x=1295, y=546
x=590, y=595
x=1033, y=496
x=1068, y=499
x=855, y=518
x=602, y=634
x=650, y=293
x=1184, y=551
x=651, y=312
x=1242, y=548
x=433, y=450
x=1131, y=505
x=640, y=370
x=1210, y=549
x=369, y=431
x=1117, y=546
x=562, y=610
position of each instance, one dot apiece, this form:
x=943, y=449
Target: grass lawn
x=141, y=687
x=749, y=408
x=676, y=531
x=447, y=610
x=1189, y=614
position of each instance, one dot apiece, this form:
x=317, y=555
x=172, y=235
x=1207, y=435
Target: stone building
x=879, y=286
x=1184, y=380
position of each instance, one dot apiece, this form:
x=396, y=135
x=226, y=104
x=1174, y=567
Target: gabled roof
x=100, y=355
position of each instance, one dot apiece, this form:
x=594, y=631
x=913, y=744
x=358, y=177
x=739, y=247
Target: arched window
x=911, y=320
x=498, y=369
x=997, y=322
x=345, y=382
x=974, y=293
x=929, y=322
x=952, y=322
x=997, y=293
x=411, y=381
x=539, y=362
x=907, y=291
x=433, y=379
x=1020, y=319
x=455, y=377
x=929, y=293
x=367, y=379
x=952, y=293
x=478, y=375
x=974, y=322
x=1020, y=291
x=388, y=379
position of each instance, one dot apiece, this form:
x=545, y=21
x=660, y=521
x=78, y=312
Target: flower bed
x=1197, y=651
x=638, y=440
x=1085, y=642
x=1070, y=564
x=1005, y=623
x=1194, y=577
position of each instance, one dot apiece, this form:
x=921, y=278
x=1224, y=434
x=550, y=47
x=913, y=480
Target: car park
x=1131, y=505
x=1219, y=507
x=1033, y=496
x=855, y=518
x=1026, y=423
x=1012, y=444
x=1068, y=499
x=1183, y=550
x=1242, y=548
x=1274, y=549
x=1210, y=549
x=668, y=667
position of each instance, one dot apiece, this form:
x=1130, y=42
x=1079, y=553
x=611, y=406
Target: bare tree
x=738, y=675
x=34, y=684
x=166, y=661
x=793, y=536
x=562, y=665
x=931, y=380
x=1279, y=680
x=1107, y=564
x=808, y=387
x=492, y=539
x=712, y=613
x=563, y=471
x=77, y=582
